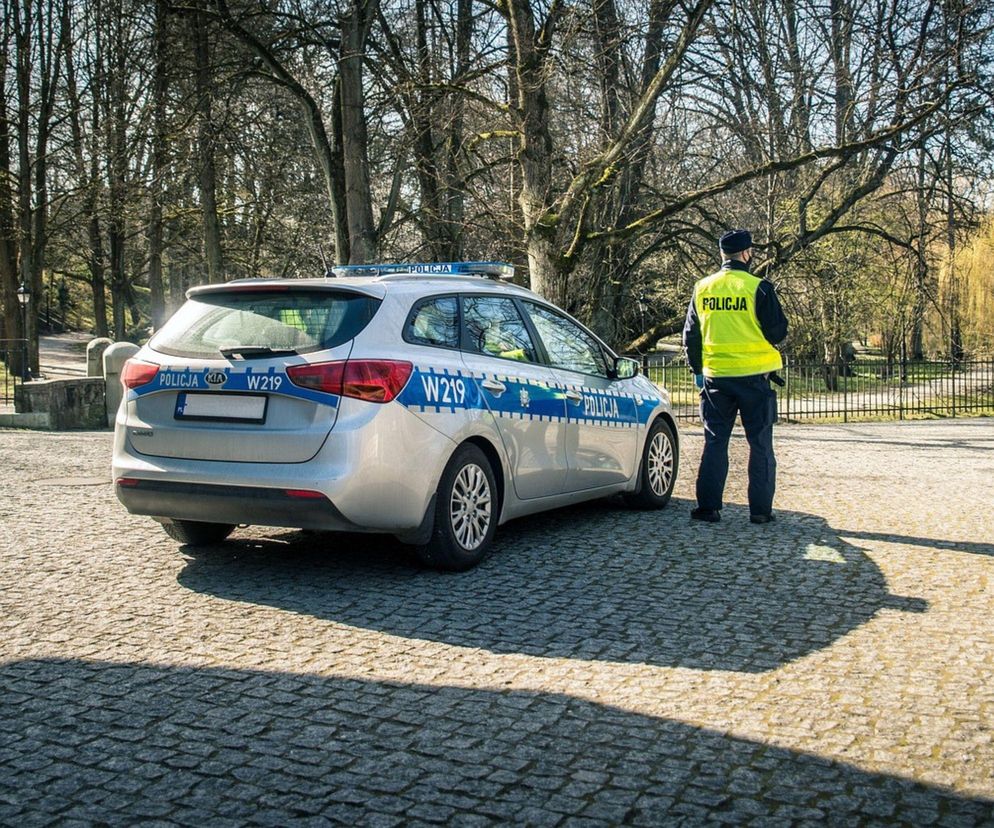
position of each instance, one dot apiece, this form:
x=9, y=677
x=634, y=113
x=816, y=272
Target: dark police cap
x=735, y=241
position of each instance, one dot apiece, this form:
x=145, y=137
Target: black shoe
x=762, y=518
x=707, y=515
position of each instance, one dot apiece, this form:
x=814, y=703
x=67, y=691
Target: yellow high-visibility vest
x=732, y=342
x=292, y=319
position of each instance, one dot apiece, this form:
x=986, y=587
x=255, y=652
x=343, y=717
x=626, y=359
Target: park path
x=63, y=355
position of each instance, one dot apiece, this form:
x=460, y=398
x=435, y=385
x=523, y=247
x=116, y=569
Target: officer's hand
x=699, y=380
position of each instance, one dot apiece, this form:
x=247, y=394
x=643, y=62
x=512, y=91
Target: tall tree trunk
x=38, y=44
x=115, y=122
x=800, y=107
x=956, y=349
x=953, y=11
x=8, y=231
x=23, y=34
x=333, y=164
x=206, y=139
x=157, y=301
x=424, y=116
x=607, y=31
x=98, y=270
x=96, y=260
x=118, y=277
x=611, y=264
x=608, y=262
x=841, y=39
x=454, y=185
x=88, y=176
x=531, y=109
x=920, y=287
x=358, y=197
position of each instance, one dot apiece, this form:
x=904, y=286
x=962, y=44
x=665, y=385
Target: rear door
x=503, y=361
x=222, y=391
x=602, y=427
x=440, y=391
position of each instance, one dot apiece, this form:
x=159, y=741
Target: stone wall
x=69, y=403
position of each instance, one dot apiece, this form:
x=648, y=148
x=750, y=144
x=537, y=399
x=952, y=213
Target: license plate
x=232, y=408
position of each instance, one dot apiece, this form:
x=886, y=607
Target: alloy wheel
x=470, y=506
x=660, y=465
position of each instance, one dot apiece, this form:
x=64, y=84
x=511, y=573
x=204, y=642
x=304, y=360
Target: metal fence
x=13, y=367
x=865, y=389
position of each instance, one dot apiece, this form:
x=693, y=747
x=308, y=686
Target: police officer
x=733, y=322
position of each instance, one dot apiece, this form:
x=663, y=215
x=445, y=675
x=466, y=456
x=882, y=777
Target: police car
x=429, y=401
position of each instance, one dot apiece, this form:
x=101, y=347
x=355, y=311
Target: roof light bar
x=492, y=270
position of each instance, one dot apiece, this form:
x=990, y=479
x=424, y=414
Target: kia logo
x=216, y=378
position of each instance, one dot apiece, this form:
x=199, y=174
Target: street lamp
x=24, y=300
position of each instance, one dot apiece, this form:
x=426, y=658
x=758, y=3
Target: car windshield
x=264, y=323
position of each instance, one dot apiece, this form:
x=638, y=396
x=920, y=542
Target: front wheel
x=466, y=512
x=197, y=533
x=657, y=474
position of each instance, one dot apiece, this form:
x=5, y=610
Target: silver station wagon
x=429, y=401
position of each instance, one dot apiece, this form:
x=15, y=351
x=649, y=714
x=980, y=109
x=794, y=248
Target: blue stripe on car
x=269, y=381
x=437, y=391
x=431, y=390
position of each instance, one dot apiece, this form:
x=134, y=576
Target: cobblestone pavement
x=604, y=666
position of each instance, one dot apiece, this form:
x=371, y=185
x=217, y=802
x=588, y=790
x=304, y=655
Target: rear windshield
x=287, y=320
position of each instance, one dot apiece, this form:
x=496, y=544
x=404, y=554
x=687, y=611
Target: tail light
x=376, y=380
x=319, y=376
x=136, y=373
x=372, y=380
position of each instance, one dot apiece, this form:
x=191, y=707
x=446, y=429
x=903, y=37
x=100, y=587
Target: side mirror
x=626, y=368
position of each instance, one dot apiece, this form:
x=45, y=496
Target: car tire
x=197, y=533
x=657, y=472
x=467, y=509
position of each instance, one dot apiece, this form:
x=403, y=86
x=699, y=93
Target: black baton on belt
x=776, y=379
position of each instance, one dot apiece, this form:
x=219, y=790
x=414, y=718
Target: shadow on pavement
x=125, y=743
x=592, y=582
x=970, y=547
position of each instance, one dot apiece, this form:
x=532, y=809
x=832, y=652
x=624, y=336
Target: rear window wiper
x=252, y=351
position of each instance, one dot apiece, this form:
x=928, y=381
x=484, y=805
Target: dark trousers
x=721, y=399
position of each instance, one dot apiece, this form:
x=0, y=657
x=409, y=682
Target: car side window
x=434, y=321
x=494, y=327
x=568, y=345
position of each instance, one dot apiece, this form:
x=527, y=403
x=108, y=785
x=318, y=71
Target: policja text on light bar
x=498, y=270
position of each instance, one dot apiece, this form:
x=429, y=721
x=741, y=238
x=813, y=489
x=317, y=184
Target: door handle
x=495, y=387
x=574, y=396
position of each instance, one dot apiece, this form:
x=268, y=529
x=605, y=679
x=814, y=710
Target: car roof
x=411, y=284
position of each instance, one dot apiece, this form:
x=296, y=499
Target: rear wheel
x=658, y=470
x=466, y=512
x=197, y=533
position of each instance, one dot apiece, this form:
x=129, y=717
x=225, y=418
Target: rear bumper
x=377, y=471
x=230, y=504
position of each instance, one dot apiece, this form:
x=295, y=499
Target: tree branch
x=614, y=235
x=645, y=341
x=603, y=165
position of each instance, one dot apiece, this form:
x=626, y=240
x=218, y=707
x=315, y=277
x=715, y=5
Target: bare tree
x=158, y=150
x=36, y=34
x=206, y=145
x=84, y=138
